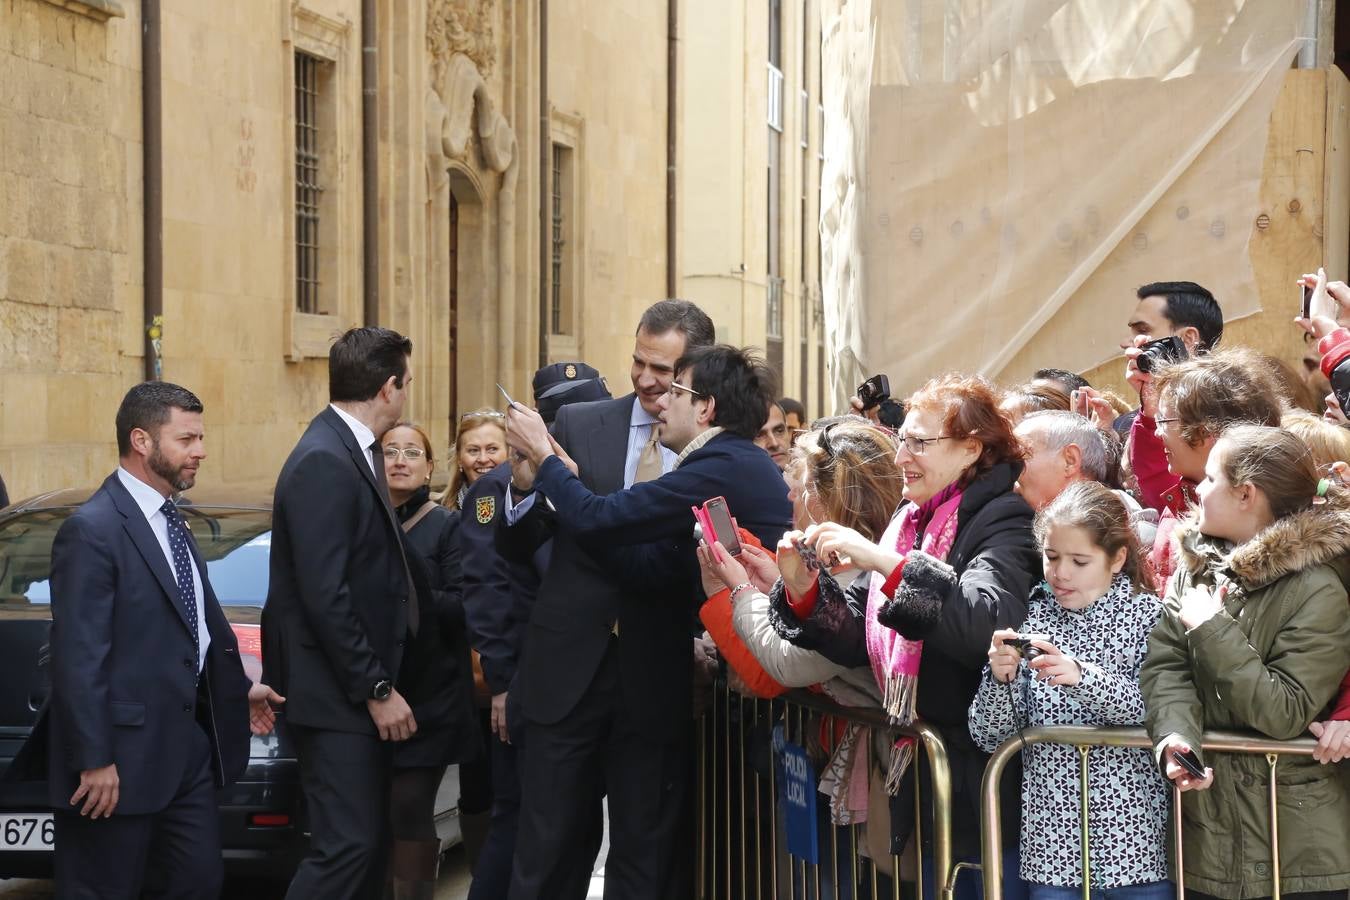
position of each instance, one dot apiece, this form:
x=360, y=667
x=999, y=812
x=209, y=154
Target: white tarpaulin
x=1000, y=175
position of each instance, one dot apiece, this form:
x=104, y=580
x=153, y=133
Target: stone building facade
x=263, y=204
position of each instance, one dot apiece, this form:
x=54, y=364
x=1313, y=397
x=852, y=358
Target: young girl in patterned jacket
x=1089, y=622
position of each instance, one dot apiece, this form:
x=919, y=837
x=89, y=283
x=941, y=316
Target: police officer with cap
x=498, y=596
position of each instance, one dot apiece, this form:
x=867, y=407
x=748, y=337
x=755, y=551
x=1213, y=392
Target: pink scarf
x=895, y=659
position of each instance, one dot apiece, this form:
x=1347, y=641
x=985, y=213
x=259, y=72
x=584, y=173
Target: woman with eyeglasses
x=955, y=563
x=480, y=447
x=436, y=676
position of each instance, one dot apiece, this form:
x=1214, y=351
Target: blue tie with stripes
x=182, y=566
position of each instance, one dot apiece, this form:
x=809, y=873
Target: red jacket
x=1159, y=488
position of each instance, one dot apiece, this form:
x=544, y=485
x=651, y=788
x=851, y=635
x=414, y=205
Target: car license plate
x=27, y=831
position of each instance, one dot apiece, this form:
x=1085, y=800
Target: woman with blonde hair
x=480, y=447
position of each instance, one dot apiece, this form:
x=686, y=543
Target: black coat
x=984, y=586
x=641, y=540
x=498, y=592
x=437, y=676
x=336, y=617
x=124, y=664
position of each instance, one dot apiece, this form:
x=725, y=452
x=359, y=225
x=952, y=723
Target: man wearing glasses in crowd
x=627, y=734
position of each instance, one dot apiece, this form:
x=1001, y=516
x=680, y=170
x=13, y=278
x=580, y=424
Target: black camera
x=1023, y=647
x=1156, y=354
x=1340, y=383
x=875, y=392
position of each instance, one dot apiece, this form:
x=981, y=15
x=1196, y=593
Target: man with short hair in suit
x=643, y=537
x=584, y=737
x=150, y=707
x=340, y=608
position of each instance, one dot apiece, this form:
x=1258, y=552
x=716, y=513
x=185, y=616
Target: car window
x=234, y=542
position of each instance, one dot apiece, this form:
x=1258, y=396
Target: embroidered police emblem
x=570, y=371
x=485, y=509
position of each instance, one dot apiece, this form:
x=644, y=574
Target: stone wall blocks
x=87, y=340
x=28, y=340
x=27, y=275
x=94, y=286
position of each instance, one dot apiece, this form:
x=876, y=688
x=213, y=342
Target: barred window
x=308, y=190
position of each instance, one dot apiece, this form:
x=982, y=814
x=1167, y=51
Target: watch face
x=382, y=690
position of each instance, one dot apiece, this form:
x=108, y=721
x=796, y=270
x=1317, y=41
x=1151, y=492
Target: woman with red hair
x=956, y=563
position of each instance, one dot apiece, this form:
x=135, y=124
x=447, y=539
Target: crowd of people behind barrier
x=1058, y=559
x=983, y=558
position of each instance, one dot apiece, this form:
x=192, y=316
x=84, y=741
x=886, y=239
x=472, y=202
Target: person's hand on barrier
x=760, y=567
x=705, y=659
x=1054, y=667
x=737, y=683
x=1199, y=604
x=1003, y=660
x=498, y=720
x=727, y=569
x=1179, y=776
x=797, y=578
x=1333, y=741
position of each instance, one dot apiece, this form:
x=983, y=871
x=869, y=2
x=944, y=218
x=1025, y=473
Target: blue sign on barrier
x=797, y=793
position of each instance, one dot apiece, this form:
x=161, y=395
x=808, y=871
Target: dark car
x=262, y=815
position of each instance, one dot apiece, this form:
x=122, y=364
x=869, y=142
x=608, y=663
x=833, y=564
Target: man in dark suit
x=605, y=674
x=150, y=708
x=498, y=596
x=341, y=605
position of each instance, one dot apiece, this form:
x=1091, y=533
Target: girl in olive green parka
x=1255, y=636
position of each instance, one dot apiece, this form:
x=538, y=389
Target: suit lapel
x=611, y=451
x=145, y=542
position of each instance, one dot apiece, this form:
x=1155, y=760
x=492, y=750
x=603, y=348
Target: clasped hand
x=1051, y=665
x=722, y=571
x=1199, y=604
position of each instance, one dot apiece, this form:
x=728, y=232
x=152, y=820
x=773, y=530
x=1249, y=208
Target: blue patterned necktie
x=182, y=566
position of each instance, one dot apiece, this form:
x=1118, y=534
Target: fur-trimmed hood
x=1311, y=537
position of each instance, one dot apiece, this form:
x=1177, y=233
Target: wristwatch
x=382, y=689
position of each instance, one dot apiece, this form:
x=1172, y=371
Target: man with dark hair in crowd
x=794, y=413
x=1181, y=308
x=714, y=407
x=138, y=639
x=341, y=605
x=498, y=596
x=774, y=438
x=1063, y=378
x=565, y=702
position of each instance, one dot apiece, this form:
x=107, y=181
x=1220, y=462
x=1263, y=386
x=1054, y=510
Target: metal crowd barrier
x=1084, y=738
x=739, y=851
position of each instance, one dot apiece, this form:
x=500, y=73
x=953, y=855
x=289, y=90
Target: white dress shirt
x=150, y=500
x=364, y=437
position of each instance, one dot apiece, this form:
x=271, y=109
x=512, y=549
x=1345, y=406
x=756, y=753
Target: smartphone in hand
x=1190, y=762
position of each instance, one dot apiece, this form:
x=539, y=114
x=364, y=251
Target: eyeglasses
x=676, y=386
x=411, y=454
x=483, y=414
x=1167, y=421
x=917, y=446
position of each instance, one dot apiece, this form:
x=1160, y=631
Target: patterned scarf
x=895, y=659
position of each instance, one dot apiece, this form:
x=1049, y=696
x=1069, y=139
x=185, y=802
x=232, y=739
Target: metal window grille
x=307, y=188
x=774, y=311
x=775, y=98
x=555, y=296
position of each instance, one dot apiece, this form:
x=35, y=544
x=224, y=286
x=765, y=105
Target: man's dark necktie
x=182, y=567
x=377, y=458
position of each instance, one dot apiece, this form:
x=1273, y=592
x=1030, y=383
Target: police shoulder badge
x=485, y=509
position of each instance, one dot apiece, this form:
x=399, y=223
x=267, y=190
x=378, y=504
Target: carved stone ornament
x=461, y=26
